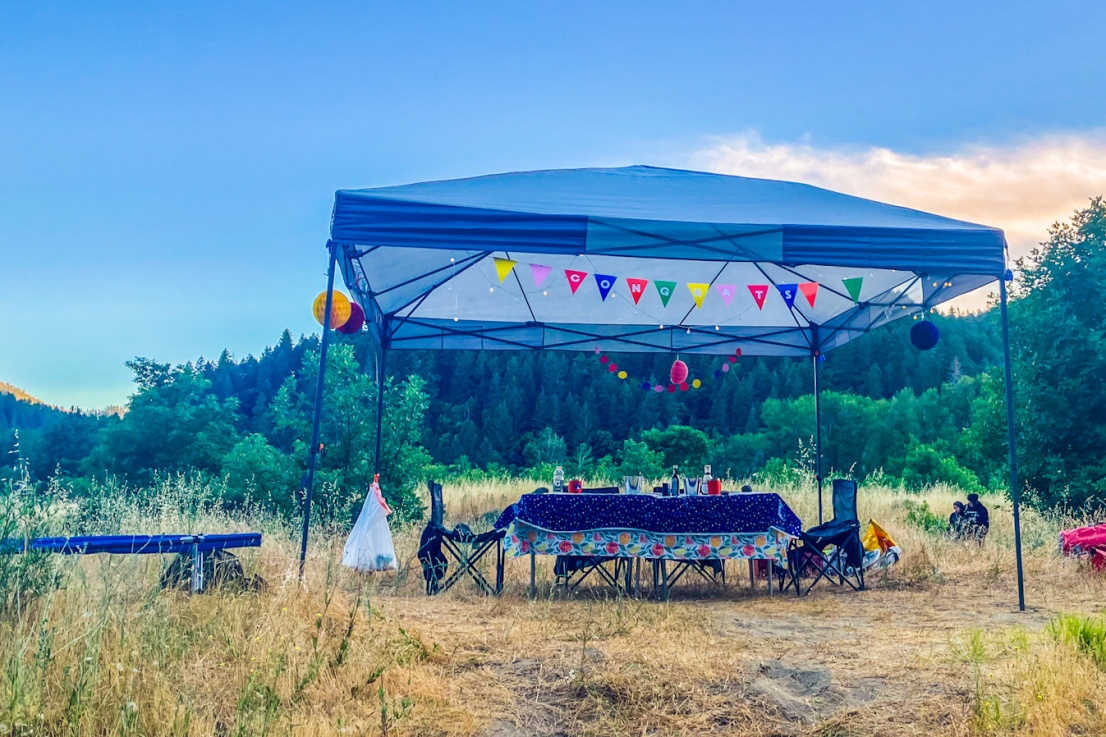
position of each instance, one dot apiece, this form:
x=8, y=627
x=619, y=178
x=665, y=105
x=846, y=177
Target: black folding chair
x=711, y=571
x=831, y=551
x=439, y=545
x=572, y=570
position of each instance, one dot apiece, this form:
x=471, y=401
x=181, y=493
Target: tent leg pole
x=1015, y=491
x=818, y=437
x=317, y=417
x=379, y=407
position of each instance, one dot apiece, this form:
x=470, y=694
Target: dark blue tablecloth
x=731, y=513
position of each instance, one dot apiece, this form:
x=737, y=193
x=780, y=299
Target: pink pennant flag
x=540, y=273
x=637, y=287
x=760, y=293
x=810, y=291
x=726, y=292
x=575, y=279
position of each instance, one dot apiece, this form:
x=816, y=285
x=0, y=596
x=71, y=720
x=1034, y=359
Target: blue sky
x=167, y=170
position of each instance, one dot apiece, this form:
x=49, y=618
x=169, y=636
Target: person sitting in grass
x=956, y=521
x=977, y=520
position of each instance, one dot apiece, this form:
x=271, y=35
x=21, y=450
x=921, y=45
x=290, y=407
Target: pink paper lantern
x=678, y=374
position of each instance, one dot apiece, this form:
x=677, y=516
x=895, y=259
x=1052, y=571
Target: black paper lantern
x=924, y=335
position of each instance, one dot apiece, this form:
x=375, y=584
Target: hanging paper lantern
x=683, y=386
x=613, y=368
x=671, y=388
x=733, y=359
x=696, y=384
x=725, y=368
x=737, y=352
x=658, y=388
x=339, y=309
x=646, y=385
x=603, y=359
x=718, y=373
x=924, y=335
x=622, y=374
x=678, y=373
x=355, y=321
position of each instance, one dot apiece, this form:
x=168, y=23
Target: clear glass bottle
x=559, y=480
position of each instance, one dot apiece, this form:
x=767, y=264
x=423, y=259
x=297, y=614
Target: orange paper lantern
x=339, y=309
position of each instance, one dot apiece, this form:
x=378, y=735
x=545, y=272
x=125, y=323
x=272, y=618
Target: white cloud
x=1021, y=188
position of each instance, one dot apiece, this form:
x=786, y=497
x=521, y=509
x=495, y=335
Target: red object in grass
x=1090, y=541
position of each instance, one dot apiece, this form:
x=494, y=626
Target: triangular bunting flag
x=726, y=291
x=605, y=283
x=853, y=285
x=698, y=293
x=810, y=291
x=637, y=288
x=540, y=273
x=788, y=292
x=503, y=267
x=575, y=279
x=665, y=289
x=760, y=293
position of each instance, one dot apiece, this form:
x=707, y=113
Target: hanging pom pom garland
x=679, y=375
x=355, y=322
x=339, y=309
x=924, y=335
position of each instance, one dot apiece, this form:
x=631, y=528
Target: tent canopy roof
x=422, y=261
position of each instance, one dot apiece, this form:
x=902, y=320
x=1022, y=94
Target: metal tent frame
x=403, y=251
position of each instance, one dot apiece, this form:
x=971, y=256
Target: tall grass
x=99, y=648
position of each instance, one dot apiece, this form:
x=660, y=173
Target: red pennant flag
x=637, y=288
x=575, y=279
x=810, y=291
x=760, y=293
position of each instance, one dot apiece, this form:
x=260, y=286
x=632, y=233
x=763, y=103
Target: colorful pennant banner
x=665, y=289
x=698, y=293
x=810, y=291
x=726, y=292
x=637, y=288
x=788, y=292
x=540, y=274
x=760, y=293
x=575, y=279
x=853, y=285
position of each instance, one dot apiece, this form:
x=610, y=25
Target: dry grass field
x=935, y=647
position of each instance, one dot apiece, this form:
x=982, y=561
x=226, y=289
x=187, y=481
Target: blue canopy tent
x=645, y=259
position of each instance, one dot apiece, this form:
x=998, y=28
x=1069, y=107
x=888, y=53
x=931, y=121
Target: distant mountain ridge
x=15, y=391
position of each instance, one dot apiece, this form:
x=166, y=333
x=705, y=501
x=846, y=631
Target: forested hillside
x=909, y=416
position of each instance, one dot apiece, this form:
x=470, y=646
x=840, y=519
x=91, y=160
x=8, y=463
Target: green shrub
x=1084, y=634
x=922, y=517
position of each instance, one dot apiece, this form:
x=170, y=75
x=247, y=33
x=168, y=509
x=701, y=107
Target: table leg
x=770, y=579
x=637, y=582
x=664, y=579
x=752, y=576
x=533, y=575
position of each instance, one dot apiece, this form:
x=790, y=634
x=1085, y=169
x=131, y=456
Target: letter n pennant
x=665, y=289
x=698, y=293
x=575, y=279
x=637, y=288
x=788, y=292
x=760, y=293
x=810, y=291
x=605, y=282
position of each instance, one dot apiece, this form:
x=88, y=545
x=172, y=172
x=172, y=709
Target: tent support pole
x=317, y=417
x=817, y=422
x=379, y=405
x=1015, y=491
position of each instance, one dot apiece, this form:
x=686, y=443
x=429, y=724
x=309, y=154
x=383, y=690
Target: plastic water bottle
x=559, y=480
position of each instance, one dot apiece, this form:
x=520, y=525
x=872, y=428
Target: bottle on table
x=559, y=480
x=675, y=489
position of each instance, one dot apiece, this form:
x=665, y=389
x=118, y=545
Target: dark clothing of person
x=956, y=524
x=976, y=521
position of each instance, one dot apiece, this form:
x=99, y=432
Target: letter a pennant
x=698, y=293
x=665, y=289
x=760, y=293
x=575, y=279
x=788, y=292
x=726, y=292
x=810, y=291
x=503, y=267
x=637, y=288
x=605, y=282
x=853, y=285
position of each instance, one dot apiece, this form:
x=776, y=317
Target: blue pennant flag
x=605, y=283
x=788, y=291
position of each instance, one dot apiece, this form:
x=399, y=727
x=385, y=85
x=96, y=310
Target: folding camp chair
x=572, y=570
x=711, y=571
x=439, y=545
x=843, y=564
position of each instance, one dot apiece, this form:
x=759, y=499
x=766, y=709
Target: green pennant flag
x=665, y=289
x=853, y=284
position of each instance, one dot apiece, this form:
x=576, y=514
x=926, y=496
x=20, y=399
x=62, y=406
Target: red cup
x=714, y=486
x=575, y=486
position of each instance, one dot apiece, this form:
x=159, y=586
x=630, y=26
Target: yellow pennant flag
x=698, y=293
x=503, y=267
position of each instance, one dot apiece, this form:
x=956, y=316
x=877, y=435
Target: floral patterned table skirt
x=523, y=539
